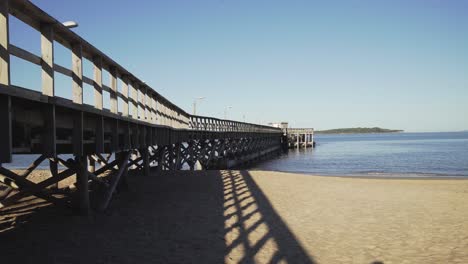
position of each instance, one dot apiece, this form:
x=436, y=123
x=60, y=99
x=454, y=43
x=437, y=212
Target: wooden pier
x=300, y=137
x=141, y=130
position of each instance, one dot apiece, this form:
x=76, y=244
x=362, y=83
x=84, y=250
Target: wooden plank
x=146, y=162
x=77, y=66
x=99, y=135
x=4, y=44
x=141, y=103
x=63, y=70
x=78, y=133
x=49, y=146
x=5, y=101
x=115, y=135
x=5, y=129
x=33, y=166
x=153, y=110
x=127, y=139
x=157, y=109
x=147, y=105
x=53, y=166
x=149, y=136
x=164, y=114
x=143, y=138
x=82, y=199
x=136, y=136
x=24, y=54
x=47, y=55
x=98, y=100
x=106, y=88
x=91, y=164
x=88, y=80
x=144, y=104
x=113, y=90
x=125, y=96
x=114, y=180
x=23, y=183
x=134, y=96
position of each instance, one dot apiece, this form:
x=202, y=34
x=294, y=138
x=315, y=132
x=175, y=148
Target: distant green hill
x=357, y=130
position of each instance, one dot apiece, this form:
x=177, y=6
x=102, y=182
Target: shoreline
x=384, y=175
x=390, y=176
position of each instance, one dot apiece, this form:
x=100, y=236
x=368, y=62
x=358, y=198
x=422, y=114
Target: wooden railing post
x=163, y=113
x=153, y=110
x=113, y=91
x=125, y=96
x=172, y=114
x=141, y=102
x=77, y=66
x=47, y=62
x=5, y=130
x=147, y=104
x=4, y=42
x=134, y=96
x=98, y=101
x=5, y=101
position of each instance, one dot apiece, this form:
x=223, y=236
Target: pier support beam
x=146, y=161
x=5, y=129
x=82, y=197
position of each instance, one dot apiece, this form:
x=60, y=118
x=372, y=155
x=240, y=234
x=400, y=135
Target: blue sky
x=322, y=64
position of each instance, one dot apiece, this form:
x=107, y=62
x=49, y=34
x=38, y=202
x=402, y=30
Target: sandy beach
x=250, y=217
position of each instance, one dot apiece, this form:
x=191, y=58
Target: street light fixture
x=195, y=104
x=226, y=110
x=70, y=24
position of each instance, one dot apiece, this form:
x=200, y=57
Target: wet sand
x=250, y=217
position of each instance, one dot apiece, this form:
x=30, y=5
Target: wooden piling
x=82, y=197
x=146, y=162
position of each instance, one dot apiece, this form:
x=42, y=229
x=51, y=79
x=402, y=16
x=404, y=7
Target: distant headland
x=357, y=130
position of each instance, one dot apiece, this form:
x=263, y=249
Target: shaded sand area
x=250, y=217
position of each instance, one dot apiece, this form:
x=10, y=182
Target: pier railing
x=140, y=130
x=222, y=125
x=139, y=101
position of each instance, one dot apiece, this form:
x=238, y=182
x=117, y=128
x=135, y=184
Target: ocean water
x=396, y=154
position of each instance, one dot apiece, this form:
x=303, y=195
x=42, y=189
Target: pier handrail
x=147, y=104
x=140, y=101
x=300, y=130
x=223, y=125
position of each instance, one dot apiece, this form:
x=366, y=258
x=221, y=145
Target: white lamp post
x=195, y=104
x=226, y=111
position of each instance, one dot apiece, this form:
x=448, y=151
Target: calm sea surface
x=399, y=154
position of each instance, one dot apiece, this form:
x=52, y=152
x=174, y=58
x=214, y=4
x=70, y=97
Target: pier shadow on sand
x=172, y=217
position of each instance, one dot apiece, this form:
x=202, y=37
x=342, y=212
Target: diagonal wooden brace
x=23, y=183
x=36, y=188
x=123, y=165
